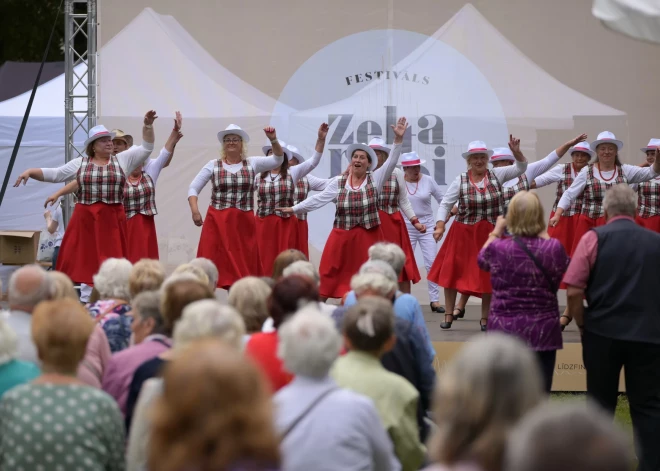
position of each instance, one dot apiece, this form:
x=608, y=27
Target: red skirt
x=343, y=255
x=564, y=231
x=275, y=234
x=584, y=224
x=95, y=233
x=455, y=266
x=142, y=240
x=302, y=236
x=395, y=231
x=652, y=223
x=229, y=240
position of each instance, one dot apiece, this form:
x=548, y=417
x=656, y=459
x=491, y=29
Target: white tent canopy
x=639, y=19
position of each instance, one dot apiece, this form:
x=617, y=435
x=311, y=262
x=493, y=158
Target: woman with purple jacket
x=526, y=268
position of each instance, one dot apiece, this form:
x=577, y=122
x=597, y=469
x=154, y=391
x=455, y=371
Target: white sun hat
x=502, y=153
x=653, y=145
x=377, y=143
x=282, y=145
x=97, y=132
x=581, y=147
x=233, y=129
x=372, y=154
x=410, y=159
x=477, y=147
x=295, y=152
x=606, y=137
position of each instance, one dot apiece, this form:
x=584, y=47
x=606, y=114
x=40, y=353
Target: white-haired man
x=314, y=416
x=28, y=286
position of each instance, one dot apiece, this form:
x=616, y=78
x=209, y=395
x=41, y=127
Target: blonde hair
x=146, y=275
x=61, y=286
x=60, y=331
x=209, y=318
x=215, y=411
x=244, y=149
x=249, y=296
x=197, y=272
x=525, y=215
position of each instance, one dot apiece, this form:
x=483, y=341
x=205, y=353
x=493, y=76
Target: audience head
x=290, y=294
x=558, y=437
x=215, y=412
x=61, y=286
x=303, y=268
x=369, y=326
x=525, y=216
x=389, y=253
x=620, y=200
x=60, y=331
x=28, y=286
x=381, y=267
x=176, y=293
x=147, y=319
x=488, y=386
x=146, y=275
x=309, y=343
x=209, y=268
x=249, y=296
x=193, y=270
x=209, y=318
x=373, y=284
x=8, y=339
x=112, y=279
x=285, y=259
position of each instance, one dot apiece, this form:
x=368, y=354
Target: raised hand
x=150, y=117
x=580, y=138
x=178, y=121
x=399, y=130
x=514, y=144
x=270, y=132
x=323, y=131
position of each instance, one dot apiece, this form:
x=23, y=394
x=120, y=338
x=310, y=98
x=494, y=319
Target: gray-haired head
x=209, y=268
x=111, y=281
x=620, y=200
x=209, y=318
x=373, y=284
x=558, y=437
x=390, y=253
x=381, y=267
x=309, y=343
x=28, y=286
x=369, y=324
x=147, y=306
x=303, y=268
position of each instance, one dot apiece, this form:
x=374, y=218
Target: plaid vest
x=274, y=194
x=475, y=205
x=594, y=192
x=388, y=198
x=140, y=198
x=356, y=208
x=100, y=183
x=510, y=191
x=562, y=185
x=232, y=190
x=648, y=198
x=300, y=195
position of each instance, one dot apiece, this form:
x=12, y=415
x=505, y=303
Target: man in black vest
x=617, y=267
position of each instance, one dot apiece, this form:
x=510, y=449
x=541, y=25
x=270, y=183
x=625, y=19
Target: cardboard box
x=19, y=247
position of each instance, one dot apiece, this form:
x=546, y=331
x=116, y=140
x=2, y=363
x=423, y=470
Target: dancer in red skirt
x=229, y=231
x=97, y=229
x=392, y=201
x=357, y=225
x=648, y=200
x=478, y=196
x=277, y=231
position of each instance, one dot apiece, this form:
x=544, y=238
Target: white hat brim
x=646, y=149
x=237, y=132
x=99, y=136
x=595, y=144
x=374, y=158
x=286, y=151
x=581, y=149
x=499, y=158
x=406, y=164
x=384, y=149
x=488, y=152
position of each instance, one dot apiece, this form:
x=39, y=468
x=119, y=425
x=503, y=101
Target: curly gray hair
x=111, y=281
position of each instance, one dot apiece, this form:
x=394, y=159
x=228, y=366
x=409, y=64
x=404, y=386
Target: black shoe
x=461, y=313
x=484, y=327
x=563, y=326
x=447, y=325
x=439, y=309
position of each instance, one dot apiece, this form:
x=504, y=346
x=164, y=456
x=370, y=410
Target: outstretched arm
x=315, y=202
x=67, y=189
x=175, y=136
x=504, y=174
x=383, y=173
x=132, y=158
x=266, y=164
x=308, y=165
x=537, y=168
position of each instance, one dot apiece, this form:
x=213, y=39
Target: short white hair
x=381, y=267
x=111, y=281
x=209, y=268
x=390, y=253
x=194, y=270
x=249, y=296
x=176, y=277
x=309, y=343
x=620, y=200
x=373, y=282
x=8, y=339
x=209, y=318
x=18, y=296
x=303, y=268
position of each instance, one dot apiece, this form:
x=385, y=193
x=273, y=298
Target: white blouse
x=153, y=166
x=298, y=171
x=404, y=202
x=420, y=193
x=554, y=175
x=536, y=168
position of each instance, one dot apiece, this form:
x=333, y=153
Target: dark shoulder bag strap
x=538, y=264
x=306, y=412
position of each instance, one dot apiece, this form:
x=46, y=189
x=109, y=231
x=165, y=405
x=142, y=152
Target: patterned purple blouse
x=523, y=303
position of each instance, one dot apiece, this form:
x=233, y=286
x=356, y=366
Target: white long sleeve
x=404, y=203
x=540, y=167
x=154, y=166
x=381, y=175
x=316, y=183
x=265, y=164
x=504, y=174
x=201, y=179
x=554, y=175
x=319, y=200
x=449, y=199
x=302, y=169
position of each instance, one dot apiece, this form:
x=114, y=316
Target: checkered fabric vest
x=562, y=185
x=594, y=192
x=648, y=198
x=356, y=208
x=232, y=190
x=475, y=205
x=140, y=198
x=100, y=183
x=300, y=195
x=510, y=191
x=274, y=194
x=388, y=198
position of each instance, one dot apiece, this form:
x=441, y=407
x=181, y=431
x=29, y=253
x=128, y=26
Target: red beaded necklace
x=602, y=176
x=480, y=190
x=350, y=182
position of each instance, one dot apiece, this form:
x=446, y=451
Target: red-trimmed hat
x=97, y=132
x=411, y=159
x=477, y=147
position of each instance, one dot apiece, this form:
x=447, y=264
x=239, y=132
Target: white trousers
x=429, y=250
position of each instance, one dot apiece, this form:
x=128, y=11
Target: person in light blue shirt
x=13, y=372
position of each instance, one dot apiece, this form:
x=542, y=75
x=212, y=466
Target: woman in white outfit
x=420, y=189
